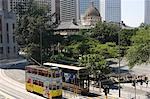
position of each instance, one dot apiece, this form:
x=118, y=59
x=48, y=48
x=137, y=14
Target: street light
x=119, y=59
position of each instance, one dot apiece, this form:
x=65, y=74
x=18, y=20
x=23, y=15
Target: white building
x=110, y=10
x=147, y=12
x=69, y=10
x=8, y=44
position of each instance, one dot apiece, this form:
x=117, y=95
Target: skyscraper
x=147, y=12
x=110, y=10
x=69, y=10
x=84, y=4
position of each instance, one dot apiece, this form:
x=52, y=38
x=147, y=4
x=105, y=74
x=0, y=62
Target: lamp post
x=40, y=47
x=119, y=59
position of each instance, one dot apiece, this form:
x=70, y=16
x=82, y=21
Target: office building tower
x=147, y=12
x=84, y=4
x=69, y=10
x=8, y=44
x=110, y=10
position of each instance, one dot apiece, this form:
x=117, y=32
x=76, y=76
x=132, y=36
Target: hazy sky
x=133, y=12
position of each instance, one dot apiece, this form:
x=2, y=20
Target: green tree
x=105, y=32
x=31, y=26
x=139, y=52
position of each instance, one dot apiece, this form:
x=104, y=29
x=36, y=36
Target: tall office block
x=147, y=12
x=110, y=10
x=84, y=4
x=69, y=10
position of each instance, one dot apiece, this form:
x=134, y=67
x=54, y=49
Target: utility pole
x=41, y=46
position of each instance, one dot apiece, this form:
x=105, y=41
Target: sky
x=133, y=12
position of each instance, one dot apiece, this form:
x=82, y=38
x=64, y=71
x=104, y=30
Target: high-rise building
x=69, y=10
x=110, y=10
x=8, y=44
x=84, y=4
x=52, y=5
x=147, y=12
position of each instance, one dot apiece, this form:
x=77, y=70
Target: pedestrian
x=146, y=83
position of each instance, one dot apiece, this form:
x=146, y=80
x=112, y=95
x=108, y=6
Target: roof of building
x=70, y=25
x=64, y=66
x=92, y=11
x=67, y=25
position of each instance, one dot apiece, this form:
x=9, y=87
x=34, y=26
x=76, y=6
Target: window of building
x=1, y=38
x=8, y=50
x=13, y=25
x=13, y=39
x=14, y=49
x=7, y=27
x=1, y=50
x=7, y=38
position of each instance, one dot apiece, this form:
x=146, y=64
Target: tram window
x=29, y=80
x=46, y=73
x=35, y=82
x=40, y=72
x=57, y=87
x=49, y=74
x=57, y=74
x=40, y=83
x=54, y=87
x=53, y=73
x=50, y=87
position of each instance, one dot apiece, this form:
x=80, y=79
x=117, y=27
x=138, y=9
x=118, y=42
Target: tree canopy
x=139, y=52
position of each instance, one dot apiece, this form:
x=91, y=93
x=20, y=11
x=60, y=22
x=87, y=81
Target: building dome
x=92, y=11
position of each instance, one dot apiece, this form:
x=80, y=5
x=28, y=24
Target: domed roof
x=92, y=11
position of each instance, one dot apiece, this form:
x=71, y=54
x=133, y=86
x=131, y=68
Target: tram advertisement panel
x=68, y=77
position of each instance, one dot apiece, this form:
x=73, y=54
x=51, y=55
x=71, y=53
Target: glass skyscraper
x=84, y=4
x=110, y=10
x=147, y=12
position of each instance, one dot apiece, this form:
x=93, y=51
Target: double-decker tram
x=74, y=78
x=45, y=81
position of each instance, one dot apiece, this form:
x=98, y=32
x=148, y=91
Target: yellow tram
x=45, y=81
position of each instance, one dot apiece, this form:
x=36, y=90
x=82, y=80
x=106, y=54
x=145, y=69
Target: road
x=13, y=88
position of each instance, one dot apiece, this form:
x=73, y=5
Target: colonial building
x=92, y=16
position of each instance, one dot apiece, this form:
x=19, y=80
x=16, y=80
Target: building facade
x=110, y=10
x=8, y=44
x=84, y=4
x=147, y=12
x=69, y=10
x=92, y=16
x=52, y=5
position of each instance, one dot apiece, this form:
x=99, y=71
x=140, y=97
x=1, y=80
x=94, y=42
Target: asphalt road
x=14, y=88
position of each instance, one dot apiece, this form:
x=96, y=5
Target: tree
x=31, y=25
x=105, y=32
x=94, y=63
x=139, y=52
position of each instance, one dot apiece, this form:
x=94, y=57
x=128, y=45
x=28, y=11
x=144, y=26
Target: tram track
x=14, y=88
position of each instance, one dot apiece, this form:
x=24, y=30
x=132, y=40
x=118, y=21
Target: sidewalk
x=138, y=86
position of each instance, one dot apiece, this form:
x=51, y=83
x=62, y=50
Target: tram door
x=46, y=89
